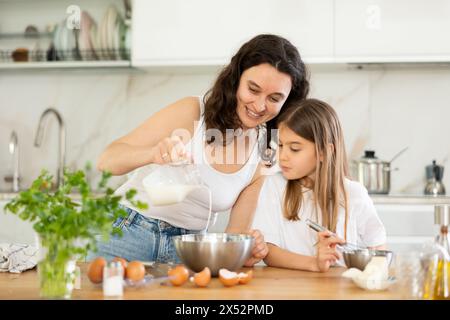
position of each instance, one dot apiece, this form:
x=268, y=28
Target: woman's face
x=297, y=156
x=261, y=93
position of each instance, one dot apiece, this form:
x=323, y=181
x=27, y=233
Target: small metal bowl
x=213, y=250
x=360, y=258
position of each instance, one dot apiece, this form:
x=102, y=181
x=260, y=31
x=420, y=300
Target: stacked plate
x=64, y=41
x=87, y=39
x=110, y=40
x=113, y=36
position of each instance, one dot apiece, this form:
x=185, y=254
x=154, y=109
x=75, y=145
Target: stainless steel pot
x=373, y=173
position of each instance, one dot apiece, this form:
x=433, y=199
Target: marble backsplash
x=383, y=108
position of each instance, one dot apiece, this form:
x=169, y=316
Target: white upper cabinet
x=196, y=32
x=205, y=32
x=392, y=30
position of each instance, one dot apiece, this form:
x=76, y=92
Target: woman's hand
x=169, y=150
x=259, y=250
x=327, y=255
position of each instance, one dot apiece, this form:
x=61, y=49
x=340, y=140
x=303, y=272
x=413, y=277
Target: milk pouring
x=170, y=184
x=167, y=195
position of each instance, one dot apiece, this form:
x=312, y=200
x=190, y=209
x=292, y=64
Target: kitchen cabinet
x=202, y=32
x=392, y=31
x=408, y=226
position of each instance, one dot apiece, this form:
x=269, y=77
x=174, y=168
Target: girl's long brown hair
x=220, y=101
x=316, y=121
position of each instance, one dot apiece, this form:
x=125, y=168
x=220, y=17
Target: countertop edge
x=395, y=199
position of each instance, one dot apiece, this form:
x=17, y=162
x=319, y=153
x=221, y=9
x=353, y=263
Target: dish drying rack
x=49, y=55
x=45, y=51
x=88, y=43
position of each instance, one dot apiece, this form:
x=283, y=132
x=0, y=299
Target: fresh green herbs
x=68, y=229
x=58, y=219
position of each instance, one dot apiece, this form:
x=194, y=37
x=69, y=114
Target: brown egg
x=202, y=278
x=95, y=270
x=135, y=271
x=123, y=262
x=228, y=278
x=179, y=275
x=245, y=277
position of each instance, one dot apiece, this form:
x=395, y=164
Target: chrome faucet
x=14, y=151
x=62, y=141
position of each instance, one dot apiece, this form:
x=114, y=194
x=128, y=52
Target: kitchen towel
x=16, y=258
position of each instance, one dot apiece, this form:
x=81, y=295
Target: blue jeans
x=144, y=239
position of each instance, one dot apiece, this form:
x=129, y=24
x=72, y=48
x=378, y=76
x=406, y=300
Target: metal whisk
x=345, y=247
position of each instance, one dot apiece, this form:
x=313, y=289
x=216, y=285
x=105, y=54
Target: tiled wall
x=385, y=109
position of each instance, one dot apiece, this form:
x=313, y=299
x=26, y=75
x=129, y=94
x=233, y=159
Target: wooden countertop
x=268, y=283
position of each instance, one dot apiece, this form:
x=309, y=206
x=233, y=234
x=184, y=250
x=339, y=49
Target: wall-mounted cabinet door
x=208, y=32
x=408, y=226
x=400, y=30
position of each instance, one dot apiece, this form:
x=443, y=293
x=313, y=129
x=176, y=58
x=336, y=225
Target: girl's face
x=297, y=156
x=261, y=93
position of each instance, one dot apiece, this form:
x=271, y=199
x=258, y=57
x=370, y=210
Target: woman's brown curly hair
x=220, y=101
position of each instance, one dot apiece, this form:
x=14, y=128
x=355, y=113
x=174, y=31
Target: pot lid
x=369, y=157
x=369, y=154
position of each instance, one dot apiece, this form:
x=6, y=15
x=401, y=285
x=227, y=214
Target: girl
x=249, y=94
x=313, y=184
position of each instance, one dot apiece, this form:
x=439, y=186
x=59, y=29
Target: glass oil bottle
x=437, y=280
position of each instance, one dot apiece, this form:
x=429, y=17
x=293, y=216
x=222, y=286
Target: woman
x=221, y=131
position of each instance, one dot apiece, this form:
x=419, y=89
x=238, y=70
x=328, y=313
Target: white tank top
x=193, y=212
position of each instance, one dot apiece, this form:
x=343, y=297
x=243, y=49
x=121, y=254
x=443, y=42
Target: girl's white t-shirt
x=364, y=227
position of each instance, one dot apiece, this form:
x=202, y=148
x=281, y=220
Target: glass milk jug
x=171, y=183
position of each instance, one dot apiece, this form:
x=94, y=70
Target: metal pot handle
x=398, y=154
x=390, y=169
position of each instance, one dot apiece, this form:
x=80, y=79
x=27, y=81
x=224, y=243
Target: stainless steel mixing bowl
x=360, y=258
x=213, y=250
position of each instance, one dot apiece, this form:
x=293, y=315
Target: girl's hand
x=168, y=150
x=260, y=248
x=327, y=255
